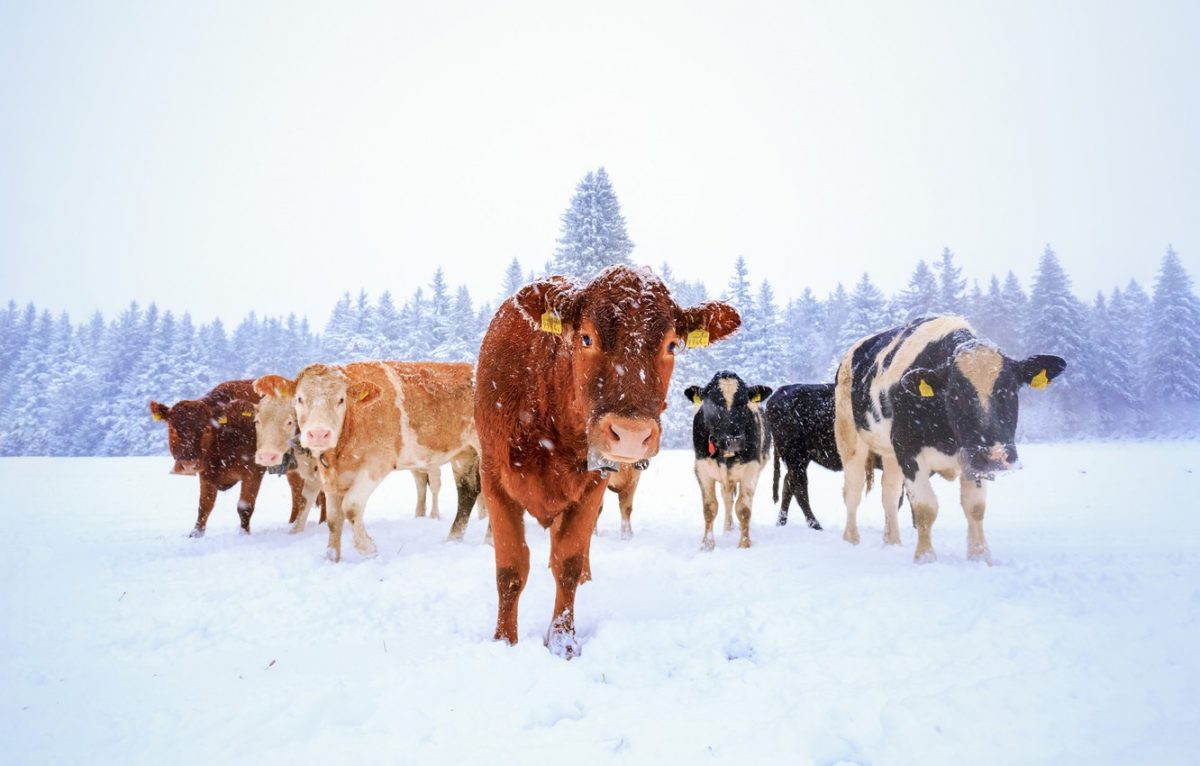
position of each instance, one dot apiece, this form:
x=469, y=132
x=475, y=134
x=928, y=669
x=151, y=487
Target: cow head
x=622, y=331
x=191, y=428
x=729, y=410
x=978, y=389
x=274, y=420
x=320, y=395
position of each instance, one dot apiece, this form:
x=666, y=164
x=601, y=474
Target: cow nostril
x=614, y=433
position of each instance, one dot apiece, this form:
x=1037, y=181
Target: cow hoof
x=367, y=550
x=744, y=543
x=814, y=524
x=333, y=554
x=707, y=544
x=435, y=515
x=197, y=532
x=563, y=644
x=850, y=536
x=626, y=531
x=926, y=556
x=454, y=537
x=980, y=554
x=782, y=522
x=244, y=532
x=891, y=539
x=296, y=529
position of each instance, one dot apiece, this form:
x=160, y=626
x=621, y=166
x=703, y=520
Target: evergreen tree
x=388, y=328
x=1173, y=363
x=763, y=341
x=337, y=339
x=1108, y=372
x=951, y=285
x=593, y=230
x=865, y=310
x=24, y=417
x=920, y=297
x=806, y=351
x=513, y=281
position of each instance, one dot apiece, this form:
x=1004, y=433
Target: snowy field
x=125, y=641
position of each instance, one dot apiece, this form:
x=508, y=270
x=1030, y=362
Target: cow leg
x=321, y=502
x=745, y=502
x=924, y=507
x=512, y=559
x=310, y=495
x=728, y=488
x=708, y=491
x=354, y=505
x=482, y=510
x=208, y=498
x=893, y=488
x=570, y=544
x=787, y=500
x=435, y=489
x=421, y=480
x=249, y=494
x=801, y=488
x=334, y=519
x=853, y=481
x=974, y=502
x=296, y=485
x=625, y=497
x=466, y=478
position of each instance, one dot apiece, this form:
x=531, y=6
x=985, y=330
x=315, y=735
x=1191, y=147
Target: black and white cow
x=731, y=442
x=800, y=418
x=930, y=397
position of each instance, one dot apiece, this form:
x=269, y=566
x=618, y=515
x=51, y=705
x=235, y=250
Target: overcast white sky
x=220, y=157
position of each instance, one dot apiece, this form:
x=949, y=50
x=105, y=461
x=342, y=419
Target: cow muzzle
x=186, y=467
x=317, y=439
x=625, y=439
x=991, y=460
x=268, y=458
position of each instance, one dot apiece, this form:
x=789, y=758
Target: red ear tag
x=712, y=448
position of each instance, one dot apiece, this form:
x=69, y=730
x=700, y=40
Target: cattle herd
x=565, y=402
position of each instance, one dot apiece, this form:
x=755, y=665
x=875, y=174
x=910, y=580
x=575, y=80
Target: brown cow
x=213, y=437
x=571, y=383
x=364, y=420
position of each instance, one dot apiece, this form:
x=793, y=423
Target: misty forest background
x=1134, y=356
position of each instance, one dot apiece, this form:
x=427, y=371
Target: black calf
x=800, y=418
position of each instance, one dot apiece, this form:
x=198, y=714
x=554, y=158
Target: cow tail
x=775, y=480
x=870, y=474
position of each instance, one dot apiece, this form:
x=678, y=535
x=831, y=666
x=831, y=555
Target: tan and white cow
x=364, y=420
x=275, y=431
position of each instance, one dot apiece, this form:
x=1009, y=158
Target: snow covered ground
x=123, y=640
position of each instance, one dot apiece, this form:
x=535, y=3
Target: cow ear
x=362, y=391
x=159, y=411
x=924, y=382
x=707, y=322
x=550, y=303
x=759, y=393
x=275, y=385
x=693, y=394
x=1038, y=371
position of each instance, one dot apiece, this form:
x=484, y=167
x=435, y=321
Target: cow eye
x=671, y=347
x=586, y=340
x=299, y=400
x=342, y=400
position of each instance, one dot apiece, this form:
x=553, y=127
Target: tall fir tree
x=951, y=285
x=513, y=281
x=593, y=230
x=920, y=296
x=865, y=309
x=1173, y=359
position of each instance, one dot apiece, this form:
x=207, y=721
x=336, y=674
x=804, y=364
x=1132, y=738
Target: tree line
x=1133, y=355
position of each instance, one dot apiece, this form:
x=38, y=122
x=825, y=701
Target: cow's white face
x=274, y=427
x=320, y=402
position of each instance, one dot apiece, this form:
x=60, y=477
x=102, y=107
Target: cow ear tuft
x=275, y=385
x=1037, y=371
x=693, y=394
x=159, y=411
x=759, y=393
x=717, y=318
x=923, y=382
x=556, y=299
x=362, y=391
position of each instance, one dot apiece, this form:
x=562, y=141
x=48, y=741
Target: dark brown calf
x=213, y=437
x=571, y=382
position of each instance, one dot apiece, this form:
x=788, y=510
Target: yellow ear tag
x=697, y=339
x=156, y=415
x=925, y=389
x=363, y=395
x=247, y=414
x=552, y=323
x=222, y=420
x=1039, y=381
x=756, y=397
x=695, y=398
